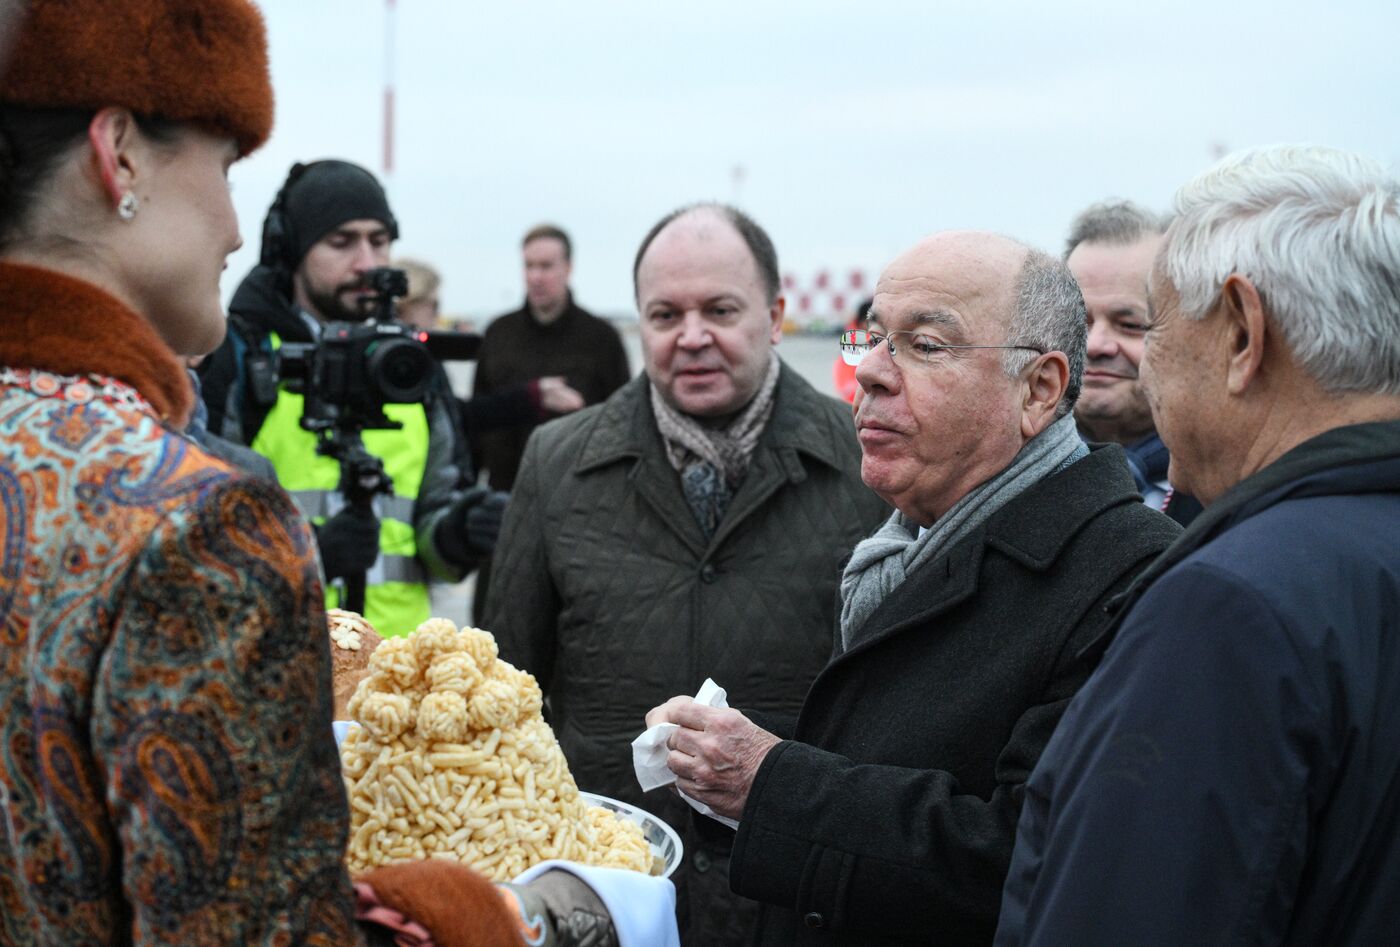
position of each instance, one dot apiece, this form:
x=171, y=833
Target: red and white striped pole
x=389, y=37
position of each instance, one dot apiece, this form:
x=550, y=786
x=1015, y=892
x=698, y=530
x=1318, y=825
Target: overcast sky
x=859, y=126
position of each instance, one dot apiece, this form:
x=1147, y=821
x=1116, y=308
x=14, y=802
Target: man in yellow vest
x=328, y=226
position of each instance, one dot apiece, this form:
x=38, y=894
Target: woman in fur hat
x=167, y=772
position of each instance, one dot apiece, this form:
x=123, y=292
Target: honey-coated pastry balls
x=452, y=759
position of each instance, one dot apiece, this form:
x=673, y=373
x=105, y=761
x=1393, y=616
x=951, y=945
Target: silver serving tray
x=664, y=842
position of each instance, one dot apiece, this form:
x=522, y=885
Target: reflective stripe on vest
x=323, y=504
x=396, y=592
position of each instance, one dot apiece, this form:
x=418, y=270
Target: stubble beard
x=331, y=306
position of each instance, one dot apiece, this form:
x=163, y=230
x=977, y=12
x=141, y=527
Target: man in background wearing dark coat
x=889, y=816
x=1110, y=251
x=1231, y=773
x=550, y=336
x=566, y=356
x=692, y=525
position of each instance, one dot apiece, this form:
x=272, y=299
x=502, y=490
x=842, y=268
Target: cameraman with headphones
x=327, y=227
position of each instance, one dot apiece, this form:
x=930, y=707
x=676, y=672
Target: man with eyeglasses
x=692, y=525
x=888, y=814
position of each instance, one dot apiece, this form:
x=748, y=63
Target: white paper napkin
x=649, y=753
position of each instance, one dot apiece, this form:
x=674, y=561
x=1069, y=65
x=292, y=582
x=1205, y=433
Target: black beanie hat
x=317, y=198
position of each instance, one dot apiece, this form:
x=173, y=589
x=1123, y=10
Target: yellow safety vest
x=396, y=588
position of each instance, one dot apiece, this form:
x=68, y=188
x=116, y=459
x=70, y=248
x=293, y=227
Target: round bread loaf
x=353, y=640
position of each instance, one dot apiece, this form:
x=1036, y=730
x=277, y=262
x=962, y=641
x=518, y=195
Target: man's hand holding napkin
x=712, y=752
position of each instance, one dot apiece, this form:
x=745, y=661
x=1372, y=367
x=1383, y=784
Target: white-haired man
x=1231, y=773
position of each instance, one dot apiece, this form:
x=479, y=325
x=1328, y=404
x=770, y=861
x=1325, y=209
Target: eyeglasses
x=858, y=343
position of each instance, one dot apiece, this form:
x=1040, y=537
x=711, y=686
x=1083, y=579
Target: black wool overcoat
x=890, y=816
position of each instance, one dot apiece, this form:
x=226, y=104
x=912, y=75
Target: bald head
x=703, y=228
x=1021, y=296
x=973, y=268
x=713, y=218
x=991, y=252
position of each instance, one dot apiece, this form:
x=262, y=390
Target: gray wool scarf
x=712, y=462
x=879, y=564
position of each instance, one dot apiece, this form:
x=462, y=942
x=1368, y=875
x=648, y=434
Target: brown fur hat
x=202, y=62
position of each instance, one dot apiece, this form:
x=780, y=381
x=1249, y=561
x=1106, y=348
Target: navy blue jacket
x=1231, y=772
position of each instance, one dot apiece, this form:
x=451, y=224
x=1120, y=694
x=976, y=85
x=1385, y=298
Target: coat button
x=708, y=573
x=701, y=861
x=813, y=919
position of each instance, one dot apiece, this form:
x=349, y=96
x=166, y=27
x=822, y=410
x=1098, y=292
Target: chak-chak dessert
x=452, y=759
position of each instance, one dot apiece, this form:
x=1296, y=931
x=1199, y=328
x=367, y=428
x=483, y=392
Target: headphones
x=278, y=237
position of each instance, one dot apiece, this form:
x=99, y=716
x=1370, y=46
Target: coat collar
x=55, y=323
x=626, y=433
x=1331, y=463
x=1342, y=460
x=626, y=428
x=1033, y=530
x=570, y=315
x=259, y=302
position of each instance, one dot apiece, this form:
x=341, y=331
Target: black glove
x=483, y=523
x=349, y=542
x=469, y=528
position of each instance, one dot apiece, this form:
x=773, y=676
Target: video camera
x=357, y=368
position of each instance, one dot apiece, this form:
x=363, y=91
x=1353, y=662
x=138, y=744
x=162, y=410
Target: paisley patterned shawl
x=166, y=760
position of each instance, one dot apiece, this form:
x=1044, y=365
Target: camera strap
x=262, y=379
x=261, y=366
x=255, y=368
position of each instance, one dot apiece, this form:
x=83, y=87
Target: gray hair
x=1049, y=316
x=1116, y=223
x=1317, y=231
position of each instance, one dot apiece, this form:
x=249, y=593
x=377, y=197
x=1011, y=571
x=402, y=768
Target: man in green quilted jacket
x=693, y=525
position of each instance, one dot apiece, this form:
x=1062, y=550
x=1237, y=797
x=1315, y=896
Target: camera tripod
x=362, y=476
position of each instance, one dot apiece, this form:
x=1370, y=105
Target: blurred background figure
x=1109, y=250
x=570, y=356
x=843, y=374
x=421, y=308
x=525, y=404
x=550, y=335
